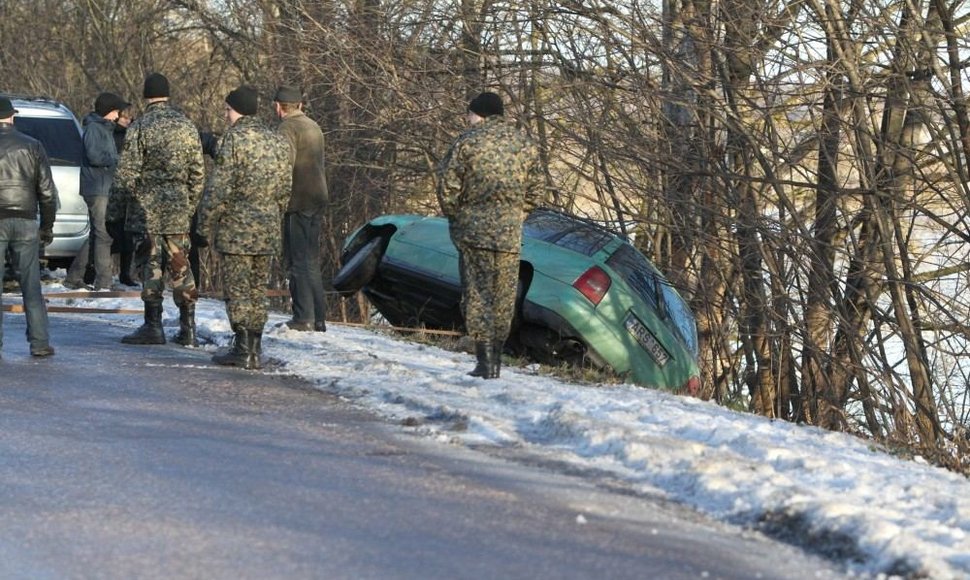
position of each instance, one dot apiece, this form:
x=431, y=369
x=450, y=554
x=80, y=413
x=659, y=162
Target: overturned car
x=585, y=296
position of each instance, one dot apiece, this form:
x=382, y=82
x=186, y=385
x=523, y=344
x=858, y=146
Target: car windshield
x=564, y=231
x=643, y=278
x=59, y=137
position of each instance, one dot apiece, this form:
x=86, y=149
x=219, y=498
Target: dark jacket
x=26, y=185
x=100, y=156
x=119, y=132
x=309, y=193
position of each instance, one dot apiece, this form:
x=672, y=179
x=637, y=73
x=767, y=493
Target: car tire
x=360, y=267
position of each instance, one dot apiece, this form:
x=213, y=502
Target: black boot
x=151, y=332
x=496, y=361
x=238, y=354
x=255, y=350
x=483, y=352
x=186, y=334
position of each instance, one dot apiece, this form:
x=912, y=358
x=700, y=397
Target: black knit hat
x=156, y=85
x=6, y=108
x=288, y=94
x=107, y=102
x=244, y=100
x=487, y=104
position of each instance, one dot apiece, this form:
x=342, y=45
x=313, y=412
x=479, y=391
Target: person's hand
x=46, y=236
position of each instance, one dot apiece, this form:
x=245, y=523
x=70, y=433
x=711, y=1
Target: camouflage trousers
x=244, y=281
x=159, y=254
x=489, y=280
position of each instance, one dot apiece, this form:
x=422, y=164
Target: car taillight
x=593, y=284
x=693, y=386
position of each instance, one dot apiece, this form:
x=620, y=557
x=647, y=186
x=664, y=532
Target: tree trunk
x=822, y=288
x=692, y=202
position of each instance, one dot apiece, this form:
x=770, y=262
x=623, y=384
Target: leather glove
x=46, y=236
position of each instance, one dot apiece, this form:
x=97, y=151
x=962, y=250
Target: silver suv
x=56, y=127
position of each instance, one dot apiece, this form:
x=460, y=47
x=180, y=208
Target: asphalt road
x=120, y=461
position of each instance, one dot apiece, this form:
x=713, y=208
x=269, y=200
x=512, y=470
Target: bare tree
x=798, y=169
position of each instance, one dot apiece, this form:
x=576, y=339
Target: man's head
x=6, y=110
x=124, y=117
x=156, y=88
x=287, y=99
x=486, y=105
x=241, y=102
x=110, y=106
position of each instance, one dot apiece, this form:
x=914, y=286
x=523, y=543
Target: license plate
x=646, y=339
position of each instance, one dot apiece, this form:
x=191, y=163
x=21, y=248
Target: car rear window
x=643, y=278
x=60, y=138
x=636, y=271
x=567, y=232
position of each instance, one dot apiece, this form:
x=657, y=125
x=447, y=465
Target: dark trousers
x=301, y=254
x=96, y=248
x=198, y=242
x=123, y=244
x=20, y=237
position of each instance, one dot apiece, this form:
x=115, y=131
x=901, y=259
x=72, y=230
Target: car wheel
x=360, y=267
x=549, y=347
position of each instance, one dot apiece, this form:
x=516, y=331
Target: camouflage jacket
x=489, y=180
x=121, y=205
x=123, y=208
x=162, y=168
x=242, y=211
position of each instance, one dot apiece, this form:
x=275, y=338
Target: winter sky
x=882, y=514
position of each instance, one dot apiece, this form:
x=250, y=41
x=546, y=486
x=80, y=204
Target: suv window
x=58, y=136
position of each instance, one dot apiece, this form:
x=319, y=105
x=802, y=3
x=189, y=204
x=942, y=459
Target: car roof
x=38, y=106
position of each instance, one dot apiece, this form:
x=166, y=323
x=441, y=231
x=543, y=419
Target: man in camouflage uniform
x=489, y=181
x=163, y=171
x=241, y=213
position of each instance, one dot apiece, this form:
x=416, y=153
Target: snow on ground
x=882, y=515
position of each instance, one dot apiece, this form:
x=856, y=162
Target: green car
x=586, y=296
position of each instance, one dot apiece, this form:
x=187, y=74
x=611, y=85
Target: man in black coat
x=26, y=188
x=122, y=241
